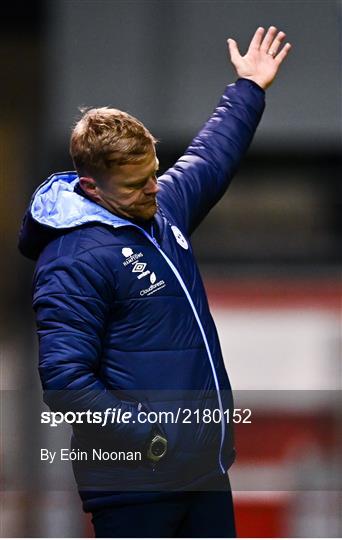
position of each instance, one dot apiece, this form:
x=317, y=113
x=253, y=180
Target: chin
x=148, y=213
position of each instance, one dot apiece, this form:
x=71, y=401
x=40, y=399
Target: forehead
x=136, y=171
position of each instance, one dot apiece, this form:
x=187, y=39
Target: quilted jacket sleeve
x=201, y=176
x=72, y=299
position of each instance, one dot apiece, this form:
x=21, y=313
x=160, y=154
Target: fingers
x=274, y=46
x=233, y=50
x=271, y=43
x=283, y=53
x=256, y=39
x=268, y=39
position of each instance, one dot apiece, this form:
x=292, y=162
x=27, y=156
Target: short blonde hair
x=104, y=138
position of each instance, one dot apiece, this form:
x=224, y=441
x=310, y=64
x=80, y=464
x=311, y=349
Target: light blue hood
x=55, y=208
x=56, y=204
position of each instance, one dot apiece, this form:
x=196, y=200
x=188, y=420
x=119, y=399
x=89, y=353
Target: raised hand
x=262, y=60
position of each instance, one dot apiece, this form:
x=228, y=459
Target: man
x=122, y=315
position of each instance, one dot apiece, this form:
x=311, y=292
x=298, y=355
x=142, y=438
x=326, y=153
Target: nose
x=151, y=187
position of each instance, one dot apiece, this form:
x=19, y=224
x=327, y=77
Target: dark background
x=166, y=62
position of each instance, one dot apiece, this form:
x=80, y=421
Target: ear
x=89, y=186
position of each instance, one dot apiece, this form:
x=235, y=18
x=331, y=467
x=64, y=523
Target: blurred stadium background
x=270, y=252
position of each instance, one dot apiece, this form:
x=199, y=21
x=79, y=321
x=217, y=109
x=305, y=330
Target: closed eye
x=143, y=182
x=140, y=185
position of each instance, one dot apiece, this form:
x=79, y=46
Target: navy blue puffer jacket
x=122, y=314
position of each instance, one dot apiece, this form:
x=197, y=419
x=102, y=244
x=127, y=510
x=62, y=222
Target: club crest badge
x=179, y=237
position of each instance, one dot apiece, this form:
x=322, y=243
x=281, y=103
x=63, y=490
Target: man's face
x=131, y=189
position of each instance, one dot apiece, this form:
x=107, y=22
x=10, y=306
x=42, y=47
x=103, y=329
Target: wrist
x=156, y=448
x=258, y=82
x=252, y=82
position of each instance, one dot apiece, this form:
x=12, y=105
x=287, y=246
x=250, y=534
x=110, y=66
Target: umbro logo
x=139, y=267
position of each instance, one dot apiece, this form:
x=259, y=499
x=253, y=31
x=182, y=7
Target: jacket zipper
x=187, y=294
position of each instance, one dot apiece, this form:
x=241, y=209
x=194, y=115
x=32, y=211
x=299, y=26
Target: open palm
x=262, y=60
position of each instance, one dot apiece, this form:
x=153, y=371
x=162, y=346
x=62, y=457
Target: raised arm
x=201, y=176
